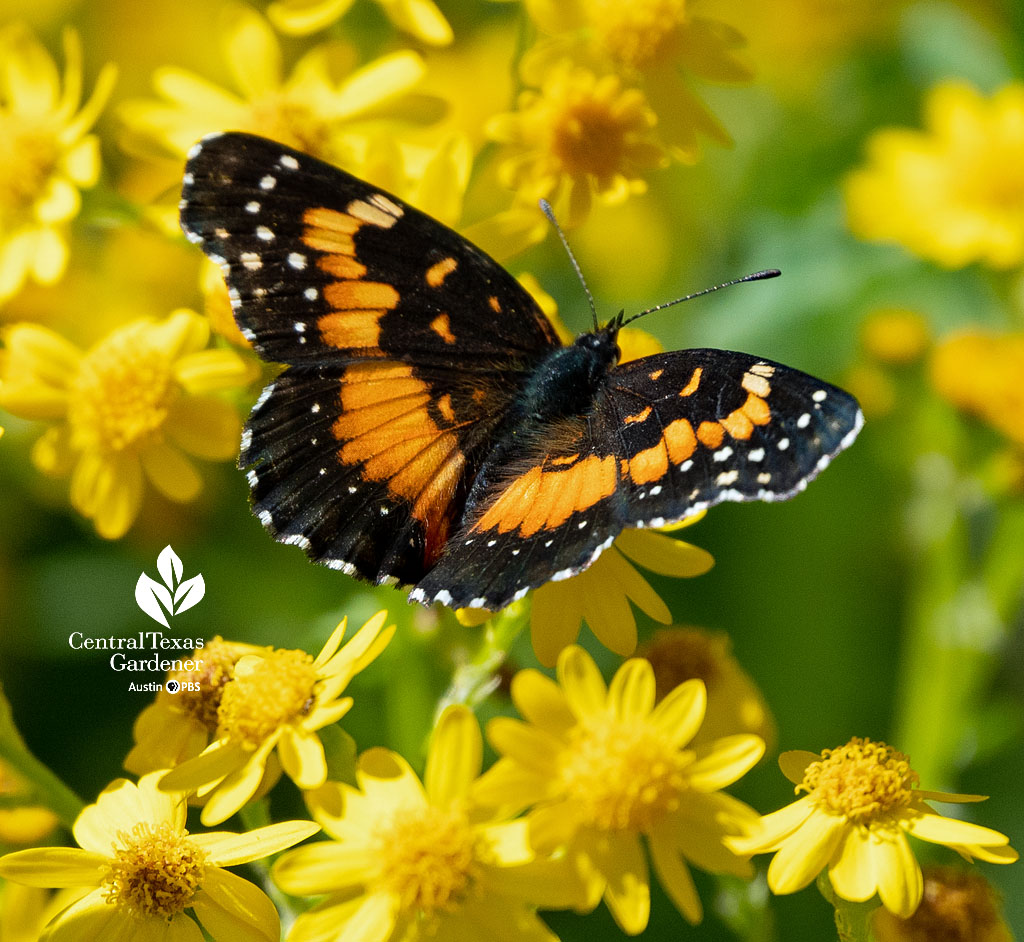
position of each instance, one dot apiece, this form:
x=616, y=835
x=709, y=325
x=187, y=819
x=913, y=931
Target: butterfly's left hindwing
x=405, y=344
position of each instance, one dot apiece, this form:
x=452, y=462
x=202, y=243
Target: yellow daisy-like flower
x=46, y=154
x=600, y=595
x=606, y=770
x=26, y=824
x=308, y=110
x=861, y=802
x=146, y=870
x=412, y=861
x=735, y=705
x=980, y=373
x=419, y=18
x=578, y=134
x=176, y=727
x=130, y=407
x=954, y=192
x=655, y=45
x=274, y=704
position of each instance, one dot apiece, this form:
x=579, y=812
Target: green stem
x=853, y=920
x=477, y=677
x=46, y=788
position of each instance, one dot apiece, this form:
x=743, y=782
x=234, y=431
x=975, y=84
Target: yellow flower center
x=28, y=156
x=596, y=126
x=156, y=870
x=865, y=781
x=637, y=33
x=429, y=858
x=275, y=690
x=621, y=774
x=202, y=705
x=123, y=391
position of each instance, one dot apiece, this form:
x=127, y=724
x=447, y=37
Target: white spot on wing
x=288, y=162
x=265, y=233
x=297, y=260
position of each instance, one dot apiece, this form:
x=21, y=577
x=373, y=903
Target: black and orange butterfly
x=431, y=430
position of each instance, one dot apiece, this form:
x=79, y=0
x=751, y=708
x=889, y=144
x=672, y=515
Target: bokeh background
x=883, y=602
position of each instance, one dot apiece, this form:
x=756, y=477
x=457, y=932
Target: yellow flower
x=419, y=18
x=601, y=594
x=953, y=193
x=25, y=910
x=133, y=404
x=735, y=705
x=862, y=801
x=46, y=154
x=307, y=110
x=276, y=700
x=895, y=335
x=26, y=824
x=652, y=44
x=604, y=767
x=575, y=136
x=957, y=906
x=412, y=861
x=146, y=870
x=176, y=727
x=980, y=373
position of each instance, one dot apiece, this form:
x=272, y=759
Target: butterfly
x=430, y=429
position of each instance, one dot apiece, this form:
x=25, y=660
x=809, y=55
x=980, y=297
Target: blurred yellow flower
x=600, y=595
x=132, y=405
x=25, y=910
x=862, y=801
x=735, y=705
x=575, y=136
x=420, y=18
x=980, y=372
x=652, y=44
x=308, y=109
x=954, y=192
x=179, y=726
x=27, y=824
x=603, y=766
x=413, y=861
x=895, y=335
x=146, y=870
x=957, y=906
x=46, y=154
x=276, y=700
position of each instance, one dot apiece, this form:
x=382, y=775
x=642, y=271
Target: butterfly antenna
x=755, y=276
x=550, y=213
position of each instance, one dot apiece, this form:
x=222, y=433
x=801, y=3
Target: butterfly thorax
x=565, y=381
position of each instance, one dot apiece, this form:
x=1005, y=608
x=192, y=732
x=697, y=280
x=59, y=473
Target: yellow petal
x=681, y=713
x=220, y=758
x=55, y=866
x=301, y=17
x=385, y=78
x=49, y=256
x=232, y=908
x=224, y=849
x=531, y=747
x=171, y=472
x=540, y=701
x=939, y=829
x=806, y=852
x=773, y=829
x=507, y=784
x=674, y=877
x=333, y=643
x=52, y=452
x=373, y=919
x=421, y=18
x=664, y=555
x=631, y=692
x=622, y=863
x=93, y=918
x=205, y=426
x=606, y=603
x=700, y=828
x=238, y=787
x=853, y=873
x=722, y=762
x=207, y=371
x=554, y=620
x=900, y=882
x=585, y=690
x=253, y=53
x=624, y=578
x=302, y=755
x=58, y=203
x=42, y=354
x=387, y=781
x=119, y=498
x=325, y=867
x=794, y=764
x=553, y=826
x=454, y=758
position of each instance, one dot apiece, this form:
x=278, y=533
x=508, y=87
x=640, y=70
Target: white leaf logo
x=174, y=596
x=149, y=595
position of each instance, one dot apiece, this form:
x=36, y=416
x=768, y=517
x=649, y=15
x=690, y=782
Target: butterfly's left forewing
x=405, y=347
